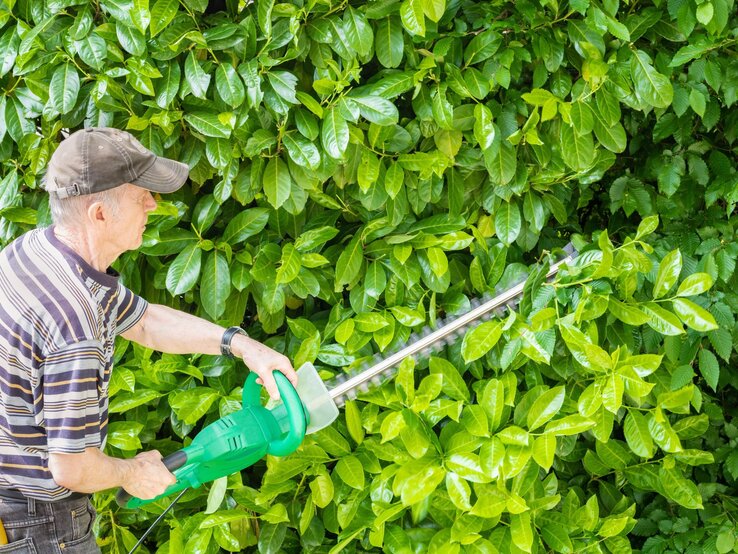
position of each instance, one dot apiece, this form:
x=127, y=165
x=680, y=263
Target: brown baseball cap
x=101, y=158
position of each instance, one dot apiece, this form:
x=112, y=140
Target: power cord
x=158, y=519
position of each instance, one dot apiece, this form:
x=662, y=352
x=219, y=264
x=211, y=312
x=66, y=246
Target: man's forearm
x=90, y=471
x=176, y=332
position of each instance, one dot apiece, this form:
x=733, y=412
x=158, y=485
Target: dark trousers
x=36, y=527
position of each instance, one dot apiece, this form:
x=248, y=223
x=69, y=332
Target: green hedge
x=360, y=170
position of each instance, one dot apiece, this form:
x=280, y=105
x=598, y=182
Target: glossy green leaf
x=669, y=270
x=302, y=151
x=695, y=284
x=184, y=271
x=545, y=407
x=693, y=315
x=215, y=283
x=322, y=490
x=350, y=471
x=64, y=88
x=501, y=163
x=389, y=42
x=162, y=13
x=480, y=340
x=229, y=85
x=246, y=224
x=208, y=124
x=662, y=320
x=544, y=449
x=289, y=264
x=577, y=150
x=334, y=134
x=377, y=109
x=508, y=222
x=637, y=435
x=284, y=84
x=651, y=86
x=277, y=182
x=627, y=313
x=93, y=50
x=350, y=261
x=353, y=422
x=358, y=31
x=484, y=130
x=197, y=79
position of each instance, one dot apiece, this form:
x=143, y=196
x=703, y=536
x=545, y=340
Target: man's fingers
x=286, y=369
x=268, y=382
x=291, y=374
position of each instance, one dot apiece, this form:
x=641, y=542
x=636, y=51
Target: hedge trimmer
x=240, y=439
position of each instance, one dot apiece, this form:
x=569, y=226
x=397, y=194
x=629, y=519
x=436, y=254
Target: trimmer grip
x=295, y=415
x=174, y=461
x=293, y=407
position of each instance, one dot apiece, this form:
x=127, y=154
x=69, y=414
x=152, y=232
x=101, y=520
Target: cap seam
x=148, y=167
x=125, y=156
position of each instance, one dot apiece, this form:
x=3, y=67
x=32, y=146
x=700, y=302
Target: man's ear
x=97, y=213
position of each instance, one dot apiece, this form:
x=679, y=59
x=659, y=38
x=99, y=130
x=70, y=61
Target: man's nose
x=150, y=203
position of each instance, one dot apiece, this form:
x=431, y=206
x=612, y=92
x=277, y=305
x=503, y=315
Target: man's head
x=103, y=177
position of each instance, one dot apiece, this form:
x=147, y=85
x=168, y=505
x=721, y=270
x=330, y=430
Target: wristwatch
x=225, y=342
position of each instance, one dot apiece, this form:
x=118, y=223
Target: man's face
x=128, y=223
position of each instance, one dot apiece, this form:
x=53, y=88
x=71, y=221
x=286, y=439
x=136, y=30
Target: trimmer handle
x=293, y=405
x=174, y=461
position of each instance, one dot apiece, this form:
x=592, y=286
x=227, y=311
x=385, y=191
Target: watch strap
x=225, y=341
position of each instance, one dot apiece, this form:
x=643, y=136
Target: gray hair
x=71, y=211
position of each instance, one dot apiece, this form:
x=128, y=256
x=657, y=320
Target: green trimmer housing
x=240, y=439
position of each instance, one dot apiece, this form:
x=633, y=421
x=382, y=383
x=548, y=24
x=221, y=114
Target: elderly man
x=60, y=311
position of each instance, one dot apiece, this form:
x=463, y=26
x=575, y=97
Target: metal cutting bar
x=439, y=334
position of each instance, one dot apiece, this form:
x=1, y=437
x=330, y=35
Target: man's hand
x=148, y=477
x=262, y=360
x=144, y=476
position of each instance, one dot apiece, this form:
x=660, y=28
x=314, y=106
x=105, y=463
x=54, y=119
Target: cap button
x=88, y=129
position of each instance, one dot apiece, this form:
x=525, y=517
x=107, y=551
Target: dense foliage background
x=362, y=169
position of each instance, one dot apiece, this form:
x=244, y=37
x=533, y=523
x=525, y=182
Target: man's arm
x=168, y=330
x=91, y=471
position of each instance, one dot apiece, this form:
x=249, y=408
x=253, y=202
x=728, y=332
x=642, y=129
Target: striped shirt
x=58, y=321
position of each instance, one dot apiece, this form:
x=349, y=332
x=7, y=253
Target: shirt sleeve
x=131, y=308
x=71, y=401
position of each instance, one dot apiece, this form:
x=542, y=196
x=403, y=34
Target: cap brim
x=163, y=176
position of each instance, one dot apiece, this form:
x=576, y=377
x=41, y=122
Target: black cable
x=158, y=519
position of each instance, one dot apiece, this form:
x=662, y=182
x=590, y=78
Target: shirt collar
x=108, y=279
